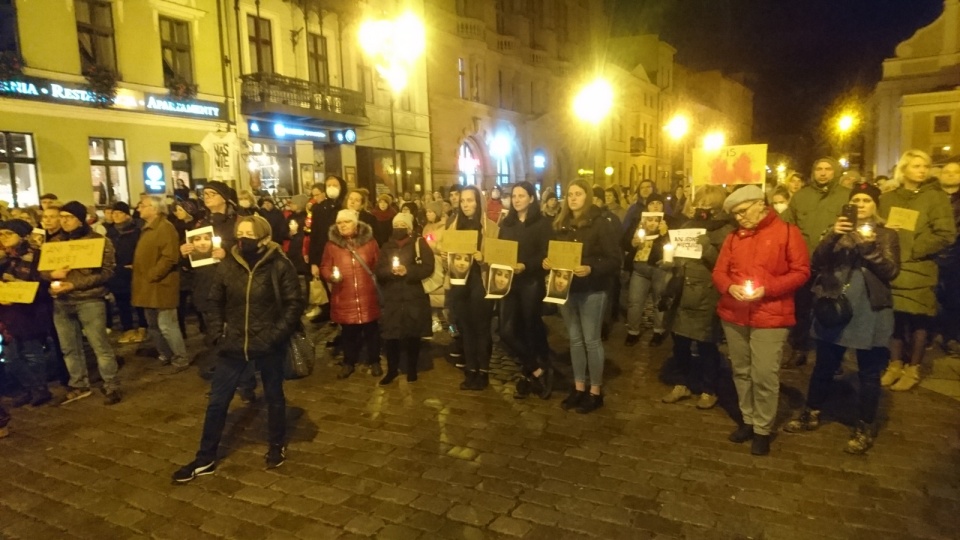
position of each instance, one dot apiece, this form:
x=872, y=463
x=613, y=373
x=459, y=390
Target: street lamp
x=714, y=141
x=677, y=128
x=846, y=123
x=592, y=105
x=394, y=45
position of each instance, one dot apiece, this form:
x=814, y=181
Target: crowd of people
x=829, y=265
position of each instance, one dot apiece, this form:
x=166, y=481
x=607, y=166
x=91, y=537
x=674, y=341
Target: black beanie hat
x=223, y=190
x=869, y=189
x=77, y=209
x=598, y=192
x=121, y=206
x=19, y=226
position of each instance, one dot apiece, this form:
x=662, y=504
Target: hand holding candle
x=668, y=250
x=396, y=262
x=641, y=234
x=336, y=274
x=866, y=231
x=217, y=242
x=748, y=289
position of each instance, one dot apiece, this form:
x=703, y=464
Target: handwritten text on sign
x=564, y=255
x=686, y=242
x=73, y=254
x=18, y=292
x=744, y=164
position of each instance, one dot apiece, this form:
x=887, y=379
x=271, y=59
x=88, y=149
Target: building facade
x=56, y=135
x=917, y=102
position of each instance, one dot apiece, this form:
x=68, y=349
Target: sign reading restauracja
x=49, y=91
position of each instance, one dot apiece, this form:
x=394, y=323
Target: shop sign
x=154, y=179
x=49, y=91
x=279, y=130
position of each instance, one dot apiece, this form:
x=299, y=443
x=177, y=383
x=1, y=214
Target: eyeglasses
x=741, y=213
x=68, y=216
x=210, y=194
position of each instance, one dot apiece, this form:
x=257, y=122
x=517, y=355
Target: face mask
x=495, y=195
x=780, y=207
x=248, y=246
x=703, y=214
x=333, y=192
x=400, y=234
x=244, y=204
x=294, y=227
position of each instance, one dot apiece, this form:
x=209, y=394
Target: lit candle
x=641, y=234
x=55, y=284
x=336, y=273
x=748, y=288
x=668, y=250
x=866, y=230
x=216, y=242
x=396, y=262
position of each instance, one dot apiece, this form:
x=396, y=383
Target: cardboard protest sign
x=744, y=164
x=496, y=251
x=460, y=241
x=686, y=243
x=71, y=254
x=902, y=218
x=499, y=281
x=18, y=292
x=564, y=254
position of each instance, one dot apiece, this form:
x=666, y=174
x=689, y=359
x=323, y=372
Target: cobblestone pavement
x=429, y=461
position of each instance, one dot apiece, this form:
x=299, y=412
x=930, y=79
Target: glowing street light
x=714, y=140
x=593, y=103
x=608, y=171
x=846, y=123
x=677, y=127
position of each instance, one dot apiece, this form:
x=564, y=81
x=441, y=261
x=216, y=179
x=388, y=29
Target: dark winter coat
x=88, y=283
x=279, y=231
x=244, y=304
x=406, y=307
x=354, y=299
x=600, y=251
x=913, y=288
x=533, y=237
x=156, y=267
x=124, y=244
x=949, y=258
x=25, y=321
x=224, y=226
x=696, y=311
x=323, y=216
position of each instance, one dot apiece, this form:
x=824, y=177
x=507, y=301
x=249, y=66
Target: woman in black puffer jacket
x=256, y=300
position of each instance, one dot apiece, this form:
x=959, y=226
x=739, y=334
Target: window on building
x=260, y=40
x=476, y=79
x=403, y=101
x=18, y=170
x=95, y=33
x=462, y=77
x=469, y=166
x=501, y=9
x=108, y=171
x=942, y=123
x=8, y=27
x=500, y=88
x=317, y=59
x=503, y=171
x=366, y=82
x=175, y=49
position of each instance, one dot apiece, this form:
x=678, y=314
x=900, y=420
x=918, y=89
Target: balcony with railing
x=508, y=44
x=468, y=28
x=271, y=94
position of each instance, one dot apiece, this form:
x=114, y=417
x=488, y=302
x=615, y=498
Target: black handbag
x=301, y=353
x=834, y=311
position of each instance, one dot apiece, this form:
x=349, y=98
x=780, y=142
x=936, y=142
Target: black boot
x=573, y=400
x=469, y=380
x=483, y=380
x=388, y=378
x=345, y=371
x=743, y=433
x=760, y=445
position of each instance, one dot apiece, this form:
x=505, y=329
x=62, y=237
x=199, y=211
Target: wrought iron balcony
x=272, y=94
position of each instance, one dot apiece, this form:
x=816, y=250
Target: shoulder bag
x=301, y=354
x=376, y=285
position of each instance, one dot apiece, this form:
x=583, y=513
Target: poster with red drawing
x=744, y=164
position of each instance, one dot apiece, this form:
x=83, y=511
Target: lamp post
x=394, y=45
x=592, y=105
x=677, y=128
x=846, y=124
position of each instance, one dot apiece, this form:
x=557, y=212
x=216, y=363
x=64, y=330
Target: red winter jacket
x=354, y=299
x=773, y=256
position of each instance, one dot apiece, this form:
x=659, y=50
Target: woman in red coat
x=347, y=264
x=760, y=266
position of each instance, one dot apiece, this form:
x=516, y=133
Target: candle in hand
x=216, y=242
x=748, y=288
x=55, y=284
x=641, y=234
x=396, y=262
x=336, y=273
x=866, y=230
x=668, y=250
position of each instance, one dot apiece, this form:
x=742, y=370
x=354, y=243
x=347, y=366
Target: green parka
x=814, y=209
x=913, y=288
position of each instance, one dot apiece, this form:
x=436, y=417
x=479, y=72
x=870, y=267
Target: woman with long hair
x=580, y=221
x=914, y=296
x=521, y=310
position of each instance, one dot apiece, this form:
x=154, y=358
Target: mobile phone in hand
x=849, y=211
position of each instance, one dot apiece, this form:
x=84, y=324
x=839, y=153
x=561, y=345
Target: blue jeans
x=583, y=315
x=72, y=320
x=231, y=372
x=27, y=362
x=640, y=288
x=165, y=333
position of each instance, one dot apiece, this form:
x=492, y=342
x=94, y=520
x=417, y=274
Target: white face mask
x=294, y=227
x=244, y=204
x=780, y=207
x=333, y=192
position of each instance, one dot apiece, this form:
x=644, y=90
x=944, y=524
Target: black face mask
x=400, y=234
x=248, y=246
x=702, y=214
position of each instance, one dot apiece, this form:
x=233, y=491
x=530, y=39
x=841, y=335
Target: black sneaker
x=631, y=340
x=590, y=403
x=469, y=381
x=345, y=371
x=546, y=383
x=743, y=433
x=573, y=400
x=376, y=370
x=388, y=378
x=275, y=456
x=483, y=380
x=523, y=389
x=194, y=469
x=248, y=396
x=657, y=339
x=111, y=397
x=760, y=445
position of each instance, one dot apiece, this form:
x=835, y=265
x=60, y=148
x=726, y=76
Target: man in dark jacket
x=78, y=306
x=949, y=263
x=813, y=210
x=124, y=233
x=156, y=282
x=325, y=216
x=274, y=216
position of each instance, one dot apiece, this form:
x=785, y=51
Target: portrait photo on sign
x=38, y=237
x=202, y=240
x=459, y=267
x=499, y=281
x=558, y=286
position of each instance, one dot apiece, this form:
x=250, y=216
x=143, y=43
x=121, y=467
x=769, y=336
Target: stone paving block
x=510, y=526
x=429, y=503
x=536, y=513
x=327, y=494
x=471, y=515
x=364, y=525
x=395, y=494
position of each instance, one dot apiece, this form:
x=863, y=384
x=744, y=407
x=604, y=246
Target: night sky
x=800, y=55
